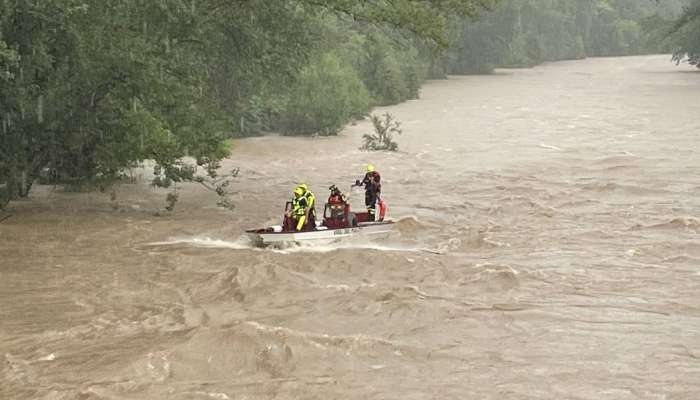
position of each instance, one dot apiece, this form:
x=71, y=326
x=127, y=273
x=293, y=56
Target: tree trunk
x=10, y=191
x=24, y=184
x=19, y=183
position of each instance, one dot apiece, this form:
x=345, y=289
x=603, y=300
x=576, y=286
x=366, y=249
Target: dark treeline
x=89, y=88
x=529, y=32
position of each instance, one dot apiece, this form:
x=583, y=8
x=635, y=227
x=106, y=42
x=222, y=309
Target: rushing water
x=548, y=247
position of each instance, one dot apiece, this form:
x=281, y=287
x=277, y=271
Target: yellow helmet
x=303, y=186
x=299, y=191
x=370, y=168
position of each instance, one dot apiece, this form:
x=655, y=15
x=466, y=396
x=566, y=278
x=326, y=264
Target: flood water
x=547, y=247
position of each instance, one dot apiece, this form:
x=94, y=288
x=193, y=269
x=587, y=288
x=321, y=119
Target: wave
x=680, y=222
x=345, y=245
x=622, y=167
x=470, y=239
x=492, y=276
x=602, y=187
x=677, y=223
x=410, y=226
x=222, y=286
x=683, y=259
x=241, y=243
x=549, y=147
x=252, y=350
x=620, y=159
x=527, y=201
x=578, y=203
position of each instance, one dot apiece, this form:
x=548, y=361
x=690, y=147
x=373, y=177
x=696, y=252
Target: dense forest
x=529, y=32
x=89, y=88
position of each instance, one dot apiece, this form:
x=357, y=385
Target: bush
x=383, y=136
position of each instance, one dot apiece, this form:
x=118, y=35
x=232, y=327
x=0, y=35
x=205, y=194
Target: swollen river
x=547, y=247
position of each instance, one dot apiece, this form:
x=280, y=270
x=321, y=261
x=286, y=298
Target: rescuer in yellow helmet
x=373, y=189
x=303, y=210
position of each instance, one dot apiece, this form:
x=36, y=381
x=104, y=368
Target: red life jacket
x=336, y=199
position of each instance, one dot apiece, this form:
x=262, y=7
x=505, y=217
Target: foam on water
x=241, y=243
x=327, y=248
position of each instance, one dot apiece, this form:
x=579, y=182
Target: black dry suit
x=373, y=190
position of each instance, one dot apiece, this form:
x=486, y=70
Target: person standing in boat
x=303, y=208
x=373, y=190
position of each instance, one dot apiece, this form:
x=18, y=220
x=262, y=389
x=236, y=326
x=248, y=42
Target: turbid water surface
x=547, y=247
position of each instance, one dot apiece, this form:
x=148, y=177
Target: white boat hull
x=268, y=237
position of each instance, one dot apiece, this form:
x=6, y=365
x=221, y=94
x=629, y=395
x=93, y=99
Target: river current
x=547, y=247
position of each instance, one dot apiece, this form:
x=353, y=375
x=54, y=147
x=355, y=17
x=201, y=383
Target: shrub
x=383, y=136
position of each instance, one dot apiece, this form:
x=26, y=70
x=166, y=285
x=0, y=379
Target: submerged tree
x=383, y=136
x=96, y=88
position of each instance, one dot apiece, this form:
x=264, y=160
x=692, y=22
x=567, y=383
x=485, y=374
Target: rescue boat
x=338, y=223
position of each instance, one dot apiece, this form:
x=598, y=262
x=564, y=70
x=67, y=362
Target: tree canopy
x=528, y=32
x=88, y=87
x=685, y=35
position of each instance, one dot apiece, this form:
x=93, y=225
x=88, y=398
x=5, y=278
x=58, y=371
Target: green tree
x=89, y=88
x=326, y=95
x=685, y=35
x=101, y=86
x=528, y=32
x=426, y=19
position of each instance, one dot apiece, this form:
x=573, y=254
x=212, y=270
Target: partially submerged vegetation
x=685, y=35
x=89, y=89
x=385, y=127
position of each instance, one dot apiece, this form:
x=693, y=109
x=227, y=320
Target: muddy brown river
x=547, y=247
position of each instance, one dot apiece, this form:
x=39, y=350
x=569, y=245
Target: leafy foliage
x=183, y=172
x=99, y=87
x=325, y=97
x=528, y=32
x=383, y=136
x=426, y=19
x=89, y=88
x=685, y=34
